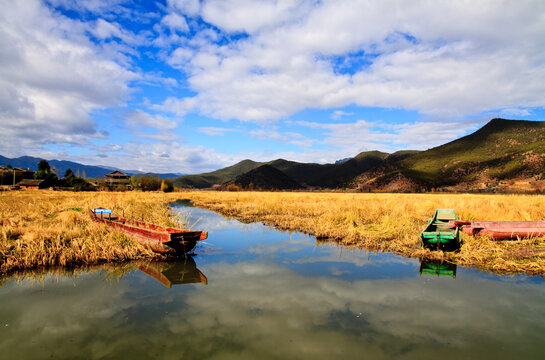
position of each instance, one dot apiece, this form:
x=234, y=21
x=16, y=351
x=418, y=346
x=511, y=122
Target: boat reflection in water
x=183, y=271
x=437, y=268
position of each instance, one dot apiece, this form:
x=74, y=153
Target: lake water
x=253, y=292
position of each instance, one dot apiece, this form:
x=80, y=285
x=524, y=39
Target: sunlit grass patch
x=47, y=228
x=392, y=222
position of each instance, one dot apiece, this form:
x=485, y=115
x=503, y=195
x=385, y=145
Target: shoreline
x=42, y=229
x=392, y=225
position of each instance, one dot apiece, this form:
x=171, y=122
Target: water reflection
x=183, y=202
x=183, y=271
x=438, y=268
x=176, y=271
x=272, y=295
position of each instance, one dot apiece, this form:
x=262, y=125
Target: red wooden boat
x=501, y=230
x=157, y=238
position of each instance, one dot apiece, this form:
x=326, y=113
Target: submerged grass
x=392, y=222
x=47, y=228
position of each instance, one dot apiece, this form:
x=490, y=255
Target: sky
x=190, y=86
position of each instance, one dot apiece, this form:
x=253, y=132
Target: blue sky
x=190, y=86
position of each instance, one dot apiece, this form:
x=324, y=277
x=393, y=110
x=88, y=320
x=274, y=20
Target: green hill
x=264, y=177
x=502, y=149
x=307, y=174
x=216, y=177
x=329, y=175
x=505, y=148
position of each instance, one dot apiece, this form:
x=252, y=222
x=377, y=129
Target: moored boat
x=157, y=238
x=439, y=234
x=501, y=230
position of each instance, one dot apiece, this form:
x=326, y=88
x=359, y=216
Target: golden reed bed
x=392, y=222
x=46, y=228
x=49, y=228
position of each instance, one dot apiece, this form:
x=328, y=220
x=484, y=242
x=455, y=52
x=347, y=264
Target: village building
x=11, y=176
x=32, y=184
x=117, y=179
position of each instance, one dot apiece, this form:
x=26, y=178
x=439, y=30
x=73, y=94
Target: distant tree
x=83, y=174
x=43, y=165
x=150, y=183
x=68, y=173
x=8, y=166
x=167, y=186
x=135, y=182
x=233, y=187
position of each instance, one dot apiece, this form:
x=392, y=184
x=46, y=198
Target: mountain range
x=503, y=153
x=31, y=163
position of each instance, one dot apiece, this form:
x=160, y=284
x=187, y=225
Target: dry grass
x=392, y=222
x=47, y=228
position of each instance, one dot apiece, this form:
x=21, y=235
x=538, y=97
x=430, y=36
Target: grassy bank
x=392, y=222
x=48, y=228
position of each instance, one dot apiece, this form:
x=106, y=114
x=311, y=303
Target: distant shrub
x=150, y=183
x=167, y=186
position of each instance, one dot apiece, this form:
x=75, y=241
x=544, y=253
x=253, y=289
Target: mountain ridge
x=91, y=171
x=500, y=151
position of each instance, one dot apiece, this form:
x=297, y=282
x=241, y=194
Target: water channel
x=253, y=292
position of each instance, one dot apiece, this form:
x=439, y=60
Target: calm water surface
x=253, y=292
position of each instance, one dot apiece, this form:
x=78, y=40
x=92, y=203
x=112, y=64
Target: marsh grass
x=47, y=228
x=392, y=222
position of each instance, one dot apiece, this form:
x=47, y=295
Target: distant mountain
x=500, y=154
x=264, y=177
x=500, y=150
x=342, y=160
x=161, y=175
x=216, y=177
x=329, y=175
x=91, y=171
x=306, y=174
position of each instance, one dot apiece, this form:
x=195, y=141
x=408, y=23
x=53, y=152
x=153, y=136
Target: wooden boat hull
x=154, y=237
x=438, y=235
x=502, y=230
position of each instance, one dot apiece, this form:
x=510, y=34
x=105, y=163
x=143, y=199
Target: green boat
x=437, y=268
x=438, y=235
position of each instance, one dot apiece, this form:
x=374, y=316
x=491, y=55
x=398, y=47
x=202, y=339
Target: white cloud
x=175, y=22
x=214, y=131
x=139, y=118
x=338, y=114
x=353, y=138
x=445, y=59
x=187, y=7
x=52, y=78
x=285, y=137
x=105, y=30
x=251, y=16
x=516, y=112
